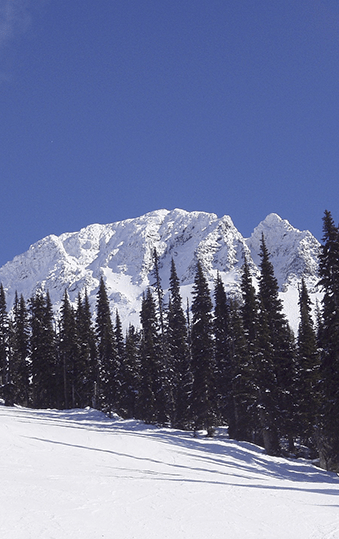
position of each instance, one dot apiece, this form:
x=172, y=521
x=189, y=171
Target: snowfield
x=78, y=474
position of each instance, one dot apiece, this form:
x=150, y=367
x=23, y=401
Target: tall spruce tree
x=242, y=384
x=6, y=386
x=179, y=367
x=203, y=401
x=69, y=356
x=329, y=341
x=20, y=365
x=308, y=368
x=109, y=366
x=250, y=319
x=149, y=391
x=121, y=357
x=43, y=352
x=277, y=369
x=87, y=351
x=158, y=292
x=222, y=353
x=130, y=373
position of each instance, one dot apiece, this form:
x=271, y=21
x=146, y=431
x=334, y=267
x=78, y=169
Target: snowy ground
x=78, y=474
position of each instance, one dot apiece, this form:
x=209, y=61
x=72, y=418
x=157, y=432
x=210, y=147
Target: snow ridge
x=121, y=252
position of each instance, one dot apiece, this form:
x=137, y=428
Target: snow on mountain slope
x=122, y=253
x=293, y=252
x=76, y=473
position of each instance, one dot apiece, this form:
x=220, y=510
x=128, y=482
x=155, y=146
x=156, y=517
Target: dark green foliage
x=179, y=368
x=130, y=374
x=308, y=368
x=150, y=385
x=249, y=308
x=166, y=414
x=158, y=292
x=329, y=342
x=5, y=374
x=242, y=382
x=43, y=352
x=276, y=365
x=87, y=353
x=250, y=318
x=109, y=366
x=20, y=366
x=203, y=402
x=72, y=366
x=224, y=370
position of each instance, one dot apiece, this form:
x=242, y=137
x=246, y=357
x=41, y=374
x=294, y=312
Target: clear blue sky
x=113, y=108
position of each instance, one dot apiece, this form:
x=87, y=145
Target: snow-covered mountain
x=121, y=252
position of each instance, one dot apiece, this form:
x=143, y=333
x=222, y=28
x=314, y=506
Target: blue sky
x=113, y=108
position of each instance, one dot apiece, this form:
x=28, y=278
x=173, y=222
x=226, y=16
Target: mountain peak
x=122, y=252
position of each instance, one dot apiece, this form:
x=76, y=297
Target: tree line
x=222, y=360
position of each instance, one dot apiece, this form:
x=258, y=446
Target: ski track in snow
x=78, y=474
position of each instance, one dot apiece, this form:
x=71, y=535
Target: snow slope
x=77, y=474
x=121, y=252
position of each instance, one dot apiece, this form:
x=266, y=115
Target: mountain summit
x=121, y=252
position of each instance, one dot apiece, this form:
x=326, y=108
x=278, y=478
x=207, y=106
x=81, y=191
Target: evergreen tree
x=250, y=307
x=179, y=368
x=164, y=367
x=121, y=358
x=130, y=374
x=159, y=292
x=329, y=341
x=222, y=351
x=6, y=384
x=242, y=383
x=69, y=356
x=147, y=407
x=43, y=352
x=109, y=367
x=278, y=355
x=203, y=404
x=20, y=366
x=308, y=368
x=87, y=352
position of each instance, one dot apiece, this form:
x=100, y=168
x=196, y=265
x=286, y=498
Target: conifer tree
x=242, y=384
x=179, y=369
x=5, y=349
x=164, y=366
x=43, y=352
x=121, y=358
x=109, y=367
x=249, y=307
x=20, y=366
x=308, y=368
x=222, y=352
x=147, y=407
x=278, y=353
x=87, y=352
x=130, y=373
x=329, y=341
x=159, y=292
x=250, y=319
x=203, y=404
x=69, y=356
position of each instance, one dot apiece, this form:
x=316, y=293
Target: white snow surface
x=78, y=474
x=121, y=252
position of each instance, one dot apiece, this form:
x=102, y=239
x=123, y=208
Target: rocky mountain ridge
x=121, y=252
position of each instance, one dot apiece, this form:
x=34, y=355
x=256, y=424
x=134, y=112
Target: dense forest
x=219, y=361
